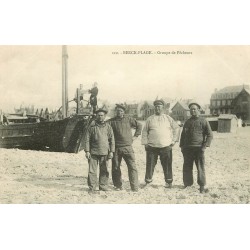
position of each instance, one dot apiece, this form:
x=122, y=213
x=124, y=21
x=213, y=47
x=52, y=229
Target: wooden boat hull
x=18, y=135
x=57, y=136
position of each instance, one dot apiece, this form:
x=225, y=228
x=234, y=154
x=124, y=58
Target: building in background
x=147, y=109
x=132, y=110
x=227, y=123
x=27, y=109
x=221, y=101
x=241, y=105
x=180, y=111
x=205, y=109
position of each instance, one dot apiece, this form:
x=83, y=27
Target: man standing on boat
x=122, y=126
x=99, y=148
x=93, y=96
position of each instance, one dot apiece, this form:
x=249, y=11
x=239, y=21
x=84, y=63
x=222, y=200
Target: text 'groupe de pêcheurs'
x=148, y=52
x=178, y=52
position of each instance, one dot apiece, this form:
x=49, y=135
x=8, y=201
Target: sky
x=33, y=74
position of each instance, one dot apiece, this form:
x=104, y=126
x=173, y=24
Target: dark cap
x=194, y=103
x=121, y=106
x=101, y=110
x=159, y=102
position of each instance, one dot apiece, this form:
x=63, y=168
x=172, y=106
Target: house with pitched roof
x=221, y=101
x=132, y=109
x=241, y=105
x=180, y=111
x=147, y=109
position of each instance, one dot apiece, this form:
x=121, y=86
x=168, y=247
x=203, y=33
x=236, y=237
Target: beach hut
x=213, y=122
x=227, y=123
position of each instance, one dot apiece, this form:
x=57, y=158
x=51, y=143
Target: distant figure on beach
x=93, y=96
x=195, y=137
x=159, y=135
x=122, y=126
x=99, y=147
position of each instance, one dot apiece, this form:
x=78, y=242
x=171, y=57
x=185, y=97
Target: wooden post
x=64, y=81
x=77, y=100
x=1, y=117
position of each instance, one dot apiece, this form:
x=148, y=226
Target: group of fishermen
x=113, y=140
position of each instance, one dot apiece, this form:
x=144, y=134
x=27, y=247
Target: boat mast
x=64, y=81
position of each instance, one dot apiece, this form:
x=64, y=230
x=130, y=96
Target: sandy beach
x=37, y=177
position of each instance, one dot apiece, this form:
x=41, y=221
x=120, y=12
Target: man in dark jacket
x=195, y=137
x=122, y=126
x=99, y=147
x=93, y=97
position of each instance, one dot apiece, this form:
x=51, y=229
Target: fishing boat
x=18, y=131
x=35, y=133
x=59, y=136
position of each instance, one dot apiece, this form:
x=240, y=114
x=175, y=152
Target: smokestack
x=64, y=81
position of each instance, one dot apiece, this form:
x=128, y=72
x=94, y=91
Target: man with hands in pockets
x=159, y=135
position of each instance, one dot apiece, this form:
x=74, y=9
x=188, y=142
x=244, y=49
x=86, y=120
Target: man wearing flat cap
x=159, y=135
x=122, y=125
x=158, y=102
x=99, y=147
x=195, y=137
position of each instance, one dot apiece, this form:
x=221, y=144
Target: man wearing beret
x=99, y=147
x=159, y=135
x=195, y=137
x=122, y=126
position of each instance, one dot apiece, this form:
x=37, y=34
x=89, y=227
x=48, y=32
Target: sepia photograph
x=124, y=124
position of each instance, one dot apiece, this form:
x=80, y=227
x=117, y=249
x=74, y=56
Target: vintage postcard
x=50, y=95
